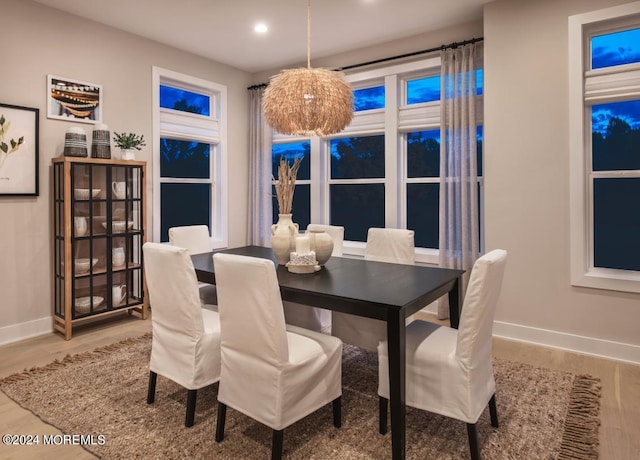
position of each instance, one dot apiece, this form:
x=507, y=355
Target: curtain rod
x=259, y=85
x=452, y=45
x=415, y=53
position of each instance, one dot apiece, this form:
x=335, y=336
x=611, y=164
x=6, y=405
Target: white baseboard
x=579, y=344
x=21, y=331
x=542, y=337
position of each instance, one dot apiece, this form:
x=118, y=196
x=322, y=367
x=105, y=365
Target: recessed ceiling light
x=260, y=28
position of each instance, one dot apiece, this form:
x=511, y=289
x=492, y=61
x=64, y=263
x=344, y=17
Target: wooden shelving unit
x=99, y=221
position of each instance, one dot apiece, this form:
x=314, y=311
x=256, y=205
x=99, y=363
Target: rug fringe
x=580, y=439
x=71, y=359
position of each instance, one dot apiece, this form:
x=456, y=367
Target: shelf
x=120, y=268
x=103, y=270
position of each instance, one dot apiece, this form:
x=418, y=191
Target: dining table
x=385, y=291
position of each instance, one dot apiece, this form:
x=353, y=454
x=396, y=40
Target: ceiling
x=222, y=30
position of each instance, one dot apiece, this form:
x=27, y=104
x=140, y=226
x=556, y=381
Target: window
x=189, y=160
x=423, y=90
x=184, y=101
x=368, y=98
x=427, y=89
x=383, y=170
x=356, y=187
x=301, y=205
x=605, y=130
x=423, y=186
x=615, y=144
x=617, y=48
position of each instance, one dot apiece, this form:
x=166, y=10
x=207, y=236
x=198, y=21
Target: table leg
x=397, y=365
x=455, y=294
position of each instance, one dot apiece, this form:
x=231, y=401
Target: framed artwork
x=73, y=100
x=18, y=150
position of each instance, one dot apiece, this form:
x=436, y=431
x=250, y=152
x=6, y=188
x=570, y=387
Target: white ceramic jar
x=283, y=238
x=80, y=224
x=322, y=244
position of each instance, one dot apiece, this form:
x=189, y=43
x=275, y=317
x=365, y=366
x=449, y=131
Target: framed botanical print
x=18, y=150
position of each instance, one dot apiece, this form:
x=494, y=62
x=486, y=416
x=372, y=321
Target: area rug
x=543, y=414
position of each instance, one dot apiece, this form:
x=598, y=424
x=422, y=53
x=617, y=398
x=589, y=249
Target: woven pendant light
x=308, y=101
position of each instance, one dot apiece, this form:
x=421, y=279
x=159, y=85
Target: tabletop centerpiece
x=285, y=231
x=303, y=259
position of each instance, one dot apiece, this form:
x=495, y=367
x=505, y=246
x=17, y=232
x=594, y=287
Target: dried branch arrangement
x=285, y=184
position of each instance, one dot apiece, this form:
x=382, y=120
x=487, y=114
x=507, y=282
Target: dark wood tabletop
x=356, y=286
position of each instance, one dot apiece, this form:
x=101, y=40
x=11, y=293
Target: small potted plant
x=129, y=143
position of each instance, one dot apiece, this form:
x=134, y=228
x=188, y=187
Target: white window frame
x=394, y=121
x=588, y=87
x=212, y=129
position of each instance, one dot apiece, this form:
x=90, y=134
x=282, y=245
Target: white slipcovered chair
x=273, y=373
x=186, y=338
x=311, y=317
x=383, y=245
x=195, y=238
x=448, y=371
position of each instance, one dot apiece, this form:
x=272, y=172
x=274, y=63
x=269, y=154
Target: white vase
x=283, y=238
x=322, y=244
x=80, y=224
x=128, y=154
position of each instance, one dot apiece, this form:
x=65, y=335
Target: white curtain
x=459, y=226
x=260, y=206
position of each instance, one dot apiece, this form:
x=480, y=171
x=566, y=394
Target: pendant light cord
x=308, y=34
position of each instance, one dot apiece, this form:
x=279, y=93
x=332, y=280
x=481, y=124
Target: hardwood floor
x=42, y=350
x=620, y=408
x=620, y=402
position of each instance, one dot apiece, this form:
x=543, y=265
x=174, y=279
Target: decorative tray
x=302, y=268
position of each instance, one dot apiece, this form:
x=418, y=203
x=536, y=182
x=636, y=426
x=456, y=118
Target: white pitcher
x=118, y=294
x=119, y=189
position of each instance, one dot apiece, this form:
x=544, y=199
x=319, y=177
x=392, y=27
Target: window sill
x=612, y=280
x=423, y=255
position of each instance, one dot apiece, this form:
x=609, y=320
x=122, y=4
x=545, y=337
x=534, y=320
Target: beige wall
x=37, y=41
x=418, y=42
x=527, y=181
